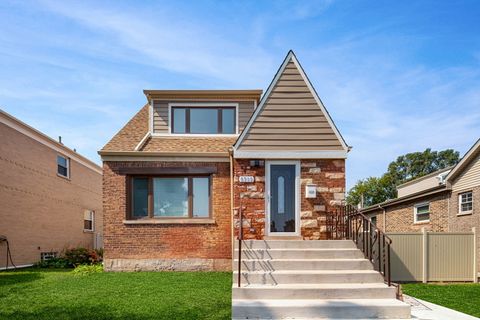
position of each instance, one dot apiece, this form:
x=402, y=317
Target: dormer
x=200, y=113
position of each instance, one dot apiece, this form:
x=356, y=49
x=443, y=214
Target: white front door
x=282, y=183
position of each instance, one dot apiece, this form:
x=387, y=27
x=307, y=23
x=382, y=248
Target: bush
x=85, y=269
x=57, y=263
x=78, y=256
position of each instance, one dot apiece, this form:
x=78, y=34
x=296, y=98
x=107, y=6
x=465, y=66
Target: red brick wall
x=165, y=246
x=328, y=175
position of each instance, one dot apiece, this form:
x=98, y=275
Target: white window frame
x=91, y=214
x=200, y=104
x=67, y=160
x=415, y=212
x=460, y=212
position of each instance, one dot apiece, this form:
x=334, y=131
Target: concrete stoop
x=311, y=279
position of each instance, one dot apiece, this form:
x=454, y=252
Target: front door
x=282, y=202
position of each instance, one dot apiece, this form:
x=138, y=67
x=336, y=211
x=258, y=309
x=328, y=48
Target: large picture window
x=203, y=120
x=170, y=197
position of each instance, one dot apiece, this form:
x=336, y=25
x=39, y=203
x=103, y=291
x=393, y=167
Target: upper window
x=179, y=197
x=63, y=166
x=465, y=202
x=422, y=212
x=203, y=120
x=88, y=218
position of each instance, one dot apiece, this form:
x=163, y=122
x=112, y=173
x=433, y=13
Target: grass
x=60, y=294
x=461, y=297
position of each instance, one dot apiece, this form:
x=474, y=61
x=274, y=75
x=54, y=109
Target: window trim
x=460, y=212
x=206, y=105
x=150, y=216
x=67, y=160
x=415, y=212
x=92, y=215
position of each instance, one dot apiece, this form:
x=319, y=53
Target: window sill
x=88, y=231
x=63, y=177
x=466, y=213
x=422, y=222
x=170, y=221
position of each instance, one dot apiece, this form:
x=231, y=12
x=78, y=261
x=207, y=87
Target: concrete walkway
x=424, y=310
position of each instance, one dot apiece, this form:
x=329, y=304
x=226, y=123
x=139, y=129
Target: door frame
x=268, y=163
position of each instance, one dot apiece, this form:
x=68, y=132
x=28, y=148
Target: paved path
x=424, y=310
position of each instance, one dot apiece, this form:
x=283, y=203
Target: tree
x=407, y=167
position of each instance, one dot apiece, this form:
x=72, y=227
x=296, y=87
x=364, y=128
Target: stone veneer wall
x=328, y=175
x=165, y=246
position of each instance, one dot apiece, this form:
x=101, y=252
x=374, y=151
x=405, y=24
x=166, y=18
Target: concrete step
x=308, y=276
x=303, y=264
x=320, y=309
x=298, y=244
x=315, y=291
x=307, y=253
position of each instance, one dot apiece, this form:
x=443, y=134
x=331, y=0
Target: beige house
x=50, y=196
x=447, y=200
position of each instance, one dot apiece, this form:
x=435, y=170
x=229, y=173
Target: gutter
x=413, y=196
x=232, y=225
x=163, y=154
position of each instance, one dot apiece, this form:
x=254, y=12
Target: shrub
x=57, y=263
x=78, y=256
x=85, y=269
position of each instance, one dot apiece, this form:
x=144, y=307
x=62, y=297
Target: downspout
x=384, y=218
x=230, y=153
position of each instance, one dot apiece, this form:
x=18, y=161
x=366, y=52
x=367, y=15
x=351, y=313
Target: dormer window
x=203, y=120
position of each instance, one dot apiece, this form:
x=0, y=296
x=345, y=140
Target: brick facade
x=328, y=175
x=400, y=217
x=165, y=246
x=41, y=211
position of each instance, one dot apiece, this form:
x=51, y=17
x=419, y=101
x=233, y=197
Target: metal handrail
x=240, y=238
x=348, y=223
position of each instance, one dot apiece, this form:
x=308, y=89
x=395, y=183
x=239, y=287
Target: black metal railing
x=240, y=239
x=349, y=223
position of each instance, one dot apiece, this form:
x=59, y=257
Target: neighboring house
x=444, y=201
x=177, y=173
x=50, y=196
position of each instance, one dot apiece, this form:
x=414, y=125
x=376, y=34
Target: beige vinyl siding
x=470, y=177
x=420, y=184
x=291, y=119
x=160, y=113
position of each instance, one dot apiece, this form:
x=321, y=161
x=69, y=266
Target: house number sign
x=246, y=179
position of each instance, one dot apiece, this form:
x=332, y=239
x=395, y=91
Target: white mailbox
x=311, y=191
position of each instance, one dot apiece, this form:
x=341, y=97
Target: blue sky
x=396, y=76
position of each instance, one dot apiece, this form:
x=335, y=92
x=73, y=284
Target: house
x=447, y=200
x=177, y=173
x=50, y=196
x=195, y=170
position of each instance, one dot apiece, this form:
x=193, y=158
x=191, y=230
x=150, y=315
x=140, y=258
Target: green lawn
x=461, y=297
x=54, y=294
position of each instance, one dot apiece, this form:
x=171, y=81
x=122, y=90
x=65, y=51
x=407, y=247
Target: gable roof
x=467, y=158
x=291, y=119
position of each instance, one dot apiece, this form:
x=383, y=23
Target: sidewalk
x=424, y=310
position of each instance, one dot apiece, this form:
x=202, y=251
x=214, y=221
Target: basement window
x=465, y=200
x=45, y=256
x=422, y=212
x=170, y=197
